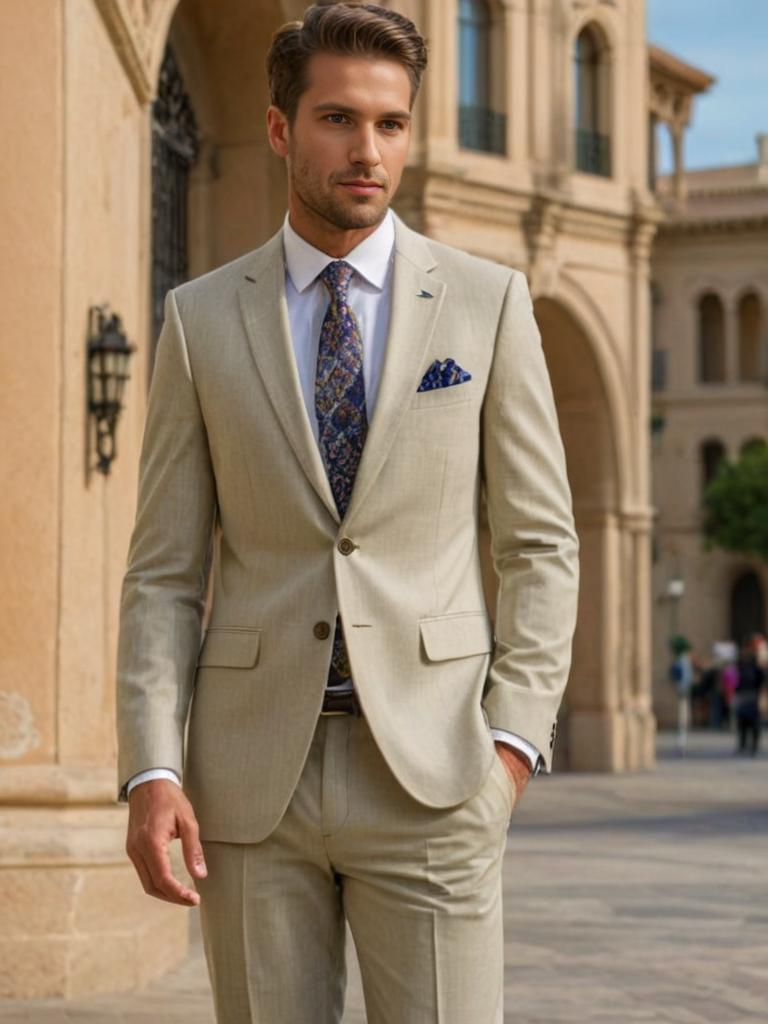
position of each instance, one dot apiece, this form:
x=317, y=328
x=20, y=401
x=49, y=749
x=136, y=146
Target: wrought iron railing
x=658, y=369
x=175, y=146
x=482, y=129
x=593, y=153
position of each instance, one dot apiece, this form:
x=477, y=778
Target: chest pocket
x=455, y=394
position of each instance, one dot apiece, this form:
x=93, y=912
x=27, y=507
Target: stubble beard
x=308, y=188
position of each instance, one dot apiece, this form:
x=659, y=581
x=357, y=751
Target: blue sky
x=727, y=39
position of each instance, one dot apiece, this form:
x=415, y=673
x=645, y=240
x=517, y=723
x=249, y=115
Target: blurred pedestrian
x=681, y=676
x=708, y=692
x=746, y=699
x=729, y=680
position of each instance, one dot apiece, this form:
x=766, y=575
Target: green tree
x=736, y=504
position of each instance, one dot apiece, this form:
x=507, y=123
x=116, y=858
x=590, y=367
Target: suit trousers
x=419, y=886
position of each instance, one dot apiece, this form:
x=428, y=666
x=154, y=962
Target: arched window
x=711, y=339
x=750, y=368
x=712, y=454
x=592, y=102
x=481, y=126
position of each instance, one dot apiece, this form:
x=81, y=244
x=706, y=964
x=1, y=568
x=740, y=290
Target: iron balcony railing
x=593, y=153
x=658, y=369
x=482, y=129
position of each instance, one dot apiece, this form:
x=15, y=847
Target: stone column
x=640, y=720
x=595, y=726
x=538, y=85
x=75, y=919
x=438, y=101
x=677, y=131
x=731, y=340
x=516, y=60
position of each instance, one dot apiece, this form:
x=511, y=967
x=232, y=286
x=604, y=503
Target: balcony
x=482, y=129
x=593, y=153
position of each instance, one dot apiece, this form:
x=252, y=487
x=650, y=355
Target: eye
x=394, y=125
x=335, y=115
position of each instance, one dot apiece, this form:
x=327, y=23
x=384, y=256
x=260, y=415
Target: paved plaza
x=627, y=898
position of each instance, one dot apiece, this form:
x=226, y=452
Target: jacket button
x=321, y=630
x=346, y=546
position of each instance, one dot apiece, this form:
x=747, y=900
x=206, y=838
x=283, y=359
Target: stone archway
x=606, y=722
x=237, y=190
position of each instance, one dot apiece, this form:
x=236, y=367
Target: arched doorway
x=605, y=716
x=747, y=606
x=235, y=186
x=605, y=721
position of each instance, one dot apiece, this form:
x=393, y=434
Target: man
x=746, y=697
x=325, y=411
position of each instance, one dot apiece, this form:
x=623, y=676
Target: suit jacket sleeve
x=163, y=593
x=534, y=545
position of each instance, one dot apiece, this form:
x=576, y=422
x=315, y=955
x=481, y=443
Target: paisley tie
x=341, y=415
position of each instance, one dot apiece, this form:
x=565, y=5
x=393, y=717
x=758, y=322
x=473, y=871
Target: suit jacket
x=229, y=461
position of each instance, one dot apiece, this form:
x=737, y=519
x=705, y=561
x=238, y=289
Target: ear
x=278, y=131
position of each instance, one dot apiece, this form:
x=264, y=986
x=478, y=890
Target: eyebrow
x=402, y=115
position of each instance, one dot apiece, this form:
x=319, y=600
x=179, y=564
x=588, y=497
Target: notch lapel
x=416, y=300
x=264, y=309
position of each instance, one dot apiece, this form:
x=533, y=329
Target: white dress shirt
x=369, y=295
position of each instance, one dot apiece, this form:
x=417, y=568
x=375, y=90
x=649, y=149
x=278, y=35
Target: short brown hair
x=347, y=28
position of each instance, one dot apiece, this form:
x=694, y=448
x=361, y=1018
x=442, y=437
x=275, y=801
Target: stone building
x=710, y=352
x=134, y=156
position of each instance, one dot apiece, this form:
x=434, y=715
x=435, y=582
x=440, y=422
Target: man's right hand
x=160, y=812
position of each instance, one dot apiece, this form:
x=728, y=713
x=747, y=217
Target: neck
x=323, y=234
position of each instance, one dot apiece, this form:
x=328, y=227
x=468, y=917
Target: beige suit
x=229, y=458
x=228, y=445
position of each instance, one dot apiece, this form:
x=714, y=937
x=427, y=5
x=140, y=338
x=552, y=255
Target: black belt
x=345, y=703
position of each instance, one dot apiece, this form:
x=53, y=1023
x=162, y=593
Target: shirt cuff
x=532, y=755
x=149, y=775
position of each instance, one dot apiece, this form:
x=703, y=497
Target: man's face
x=352, y=125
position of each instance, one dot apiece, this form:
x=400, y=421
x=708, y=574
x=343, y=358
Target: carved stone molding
x=138, y=29
x=542, y=222
x=642, y=229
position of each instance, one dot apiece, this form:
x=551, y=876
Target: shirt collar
x=370, y=258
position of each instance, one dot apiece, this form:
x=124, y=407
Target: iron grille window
x=175, y=147
x=480, y=127
x=593, y=146
x=483, y=129
x=593, y=153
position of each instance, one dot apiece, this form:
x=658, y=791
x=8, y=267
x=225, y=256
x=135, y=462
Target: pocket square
x=443, y=375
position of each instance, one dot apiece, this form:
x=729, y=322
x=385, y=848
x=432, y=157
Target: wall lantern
x=108, y=356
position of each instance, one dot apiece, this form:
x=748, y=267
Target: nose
x=364, y=149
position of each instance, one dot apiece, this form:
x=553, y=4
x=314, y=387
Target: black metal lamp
x=108, y=356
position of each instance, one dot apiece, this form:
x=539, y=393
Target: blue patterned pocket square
x=443, y=375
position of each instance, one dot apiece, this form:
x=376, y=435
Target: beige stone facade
x=556, y=183
x=710, y=341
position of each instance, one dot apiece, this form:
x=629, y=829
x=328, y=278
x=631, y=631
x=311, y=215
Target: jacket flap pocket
x=230, y=648
x=456, y=636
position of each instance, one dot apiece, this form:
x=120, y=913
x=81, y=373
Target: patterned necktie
x=341, y=415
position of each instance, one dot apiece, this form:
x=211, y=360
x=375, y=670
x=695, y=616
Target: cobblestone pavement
x=627, y=898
